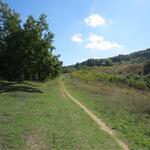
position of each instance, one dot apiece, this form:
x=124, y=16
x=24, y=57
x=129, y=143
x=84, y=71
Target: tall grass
x=126, y=110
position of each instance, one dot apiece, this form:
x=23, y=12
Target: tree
x=147, y=67
x=9, y=27
x=26, y=50
x=108, y=62
x=77, y=65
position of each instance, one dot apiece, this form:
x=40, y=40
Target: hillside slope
x=125, y=110
x=136, y=57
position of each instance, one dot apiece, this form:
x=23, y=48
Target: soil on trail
x=100, y=123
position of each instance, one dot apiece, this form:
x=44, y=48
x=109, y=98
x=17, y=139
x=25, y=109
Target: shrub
x=133, y=80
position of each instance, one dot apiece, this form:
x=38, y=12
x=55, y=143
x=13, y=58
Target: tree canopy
x=26, y=48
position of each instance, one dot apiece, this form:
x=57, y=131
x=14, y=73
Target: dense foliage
x=132, y=80
x=26, y=48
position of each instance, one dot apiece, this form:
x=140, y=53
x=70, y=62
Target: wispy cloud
x=77, y=38
x=98, y=43
x=95, y=20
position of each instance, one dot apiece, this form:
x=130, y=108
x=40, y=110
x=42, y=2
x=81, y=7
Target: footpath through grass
x=125, y=110
x=35, y=116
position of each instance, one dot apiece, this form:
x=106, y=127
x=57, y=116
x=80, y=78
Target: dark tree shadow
x=14, y=87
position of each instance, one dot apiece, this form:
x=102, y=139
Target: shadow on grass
x=30, y=84
x=15, y=87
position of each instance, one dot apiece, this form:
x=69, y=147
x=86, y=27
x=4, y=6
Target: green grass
x=125, y=110
x=36, y=116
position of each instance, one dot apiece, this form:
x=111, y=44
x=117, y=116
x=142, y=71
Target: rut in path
x=101, y=124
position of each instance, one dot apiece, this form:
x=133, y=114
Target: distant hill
x=136, y=57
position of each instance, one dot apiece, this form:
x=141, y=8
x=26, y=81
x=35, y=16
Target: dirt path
x=101, y=124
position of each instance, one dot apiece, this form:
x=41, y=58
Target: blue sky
x=92, y=28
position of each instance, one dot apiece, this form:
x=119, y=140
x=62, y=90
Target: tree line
x=136, y=57
x=26, y=48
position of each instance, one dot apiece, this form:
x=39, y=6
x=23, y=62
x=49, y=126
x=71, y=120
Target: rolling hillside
x=136, y=57
x=126, y=109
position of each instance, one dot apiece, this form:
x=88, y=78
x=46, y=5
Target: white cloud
x=95, y=20
x=77, y=38
x=98, y=42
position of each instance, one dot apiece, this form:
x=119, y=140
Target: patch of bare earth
x=35, y=141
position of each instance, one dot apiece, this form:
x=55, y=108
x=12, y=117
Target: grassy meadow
x=48, y=101
x=39, y=116
x=125, y=109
